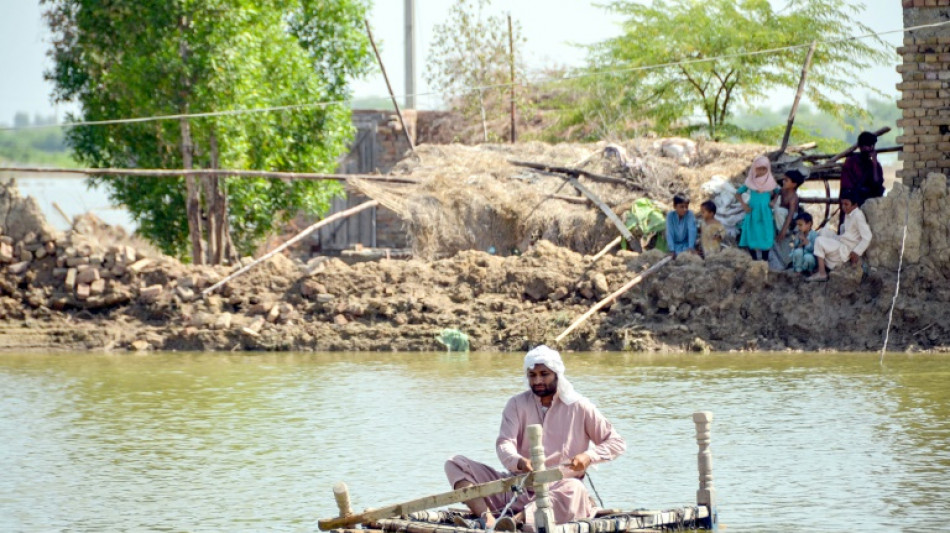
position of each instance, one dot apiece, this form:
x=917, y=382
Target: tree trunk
x=220, y=212
x=193, y=200
x=210, y=185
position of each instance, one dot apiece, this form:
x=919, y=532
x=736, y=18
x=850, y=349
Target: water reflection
x=254, y=441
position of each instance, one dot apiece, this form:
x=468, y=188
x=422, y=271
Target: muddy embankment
x=94, y=288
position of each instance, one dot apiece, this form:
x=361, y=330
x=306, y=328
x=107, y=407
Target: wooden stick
x=175, y=173
x=610, y=246
x=852, y=148
x=332, y=218
x=438, y=500
x=818, y=157
x=63, y=214
x=576, y=172
x=798, y=99
x=819, y=201
x=803, y=147
x=630, y=284
x=570, y=199
x=379, y=59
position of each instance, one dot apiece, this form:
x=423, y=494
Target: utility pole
x=511, y=63
x=410, y=16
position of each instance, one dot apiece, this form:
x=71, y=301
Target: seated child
x=712, y=232
x=681, y=227
x=803, y=246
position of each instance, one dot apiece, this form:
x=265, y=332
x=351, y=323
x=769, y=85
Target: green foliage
x=674, y=31
x=38, y=146
x=646, y=222
x=767, y=126
x=132, y=59
x=470, y=51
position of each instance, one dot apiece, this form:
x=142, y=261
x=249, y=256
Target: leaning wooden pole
x=798, y=98
x=379, y=59
x=599, y=305
x=608, y=212
x=332, y=218
x=610, y=246
x=830, y=162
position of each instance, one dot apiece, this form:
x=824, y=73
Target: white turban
x=542, y=355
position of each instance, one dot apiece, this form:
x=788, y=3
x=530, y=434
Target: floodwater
x=254, y=442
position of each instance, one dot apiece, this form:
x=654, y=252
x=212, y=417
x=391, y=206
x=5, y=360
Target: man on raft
x=570, y=424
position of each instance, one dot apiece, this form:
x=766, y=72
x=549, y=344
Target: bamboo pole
x=576, y=172
x=379, y=59
x=63, y=214
x=610, y=246
x=852, y=148
x=798, y=99
x=314, y=227
x=819, y=157
x=175, y=173
x=445, y=498
x=629, y=285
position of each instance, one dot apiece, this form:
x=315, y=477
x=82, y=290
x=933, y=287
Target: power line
x=538, y=81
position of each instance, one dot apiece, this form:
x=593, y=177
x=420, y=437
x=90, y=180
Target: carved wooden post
x=706, y=495
x=342, y=496
x=544, y=516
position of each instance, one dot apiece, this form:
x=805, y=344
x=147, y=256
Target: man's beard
x=544, y=391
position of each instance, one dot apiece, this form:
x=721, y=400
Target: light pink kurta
x=568, y=430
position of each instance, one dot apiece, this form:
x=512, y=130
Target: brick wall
x=925, y=91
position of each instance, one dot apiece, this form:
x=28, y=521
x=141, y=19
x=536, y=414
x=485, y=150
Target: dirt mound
x=21, y=216
x=75, y=292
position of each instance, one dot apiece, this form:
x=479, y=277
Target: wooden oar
x=438, y=500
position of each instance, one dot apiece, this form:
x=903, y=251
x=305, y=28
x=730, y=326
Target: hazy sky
x=550, y=26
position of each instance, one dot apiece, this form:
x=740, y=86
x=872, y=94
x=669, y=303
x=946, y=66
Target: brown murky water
x=251, y=442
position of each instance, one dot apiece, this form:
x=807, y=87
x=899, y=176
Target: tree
x=126, y=58
x=469, y=61
x=684, y=34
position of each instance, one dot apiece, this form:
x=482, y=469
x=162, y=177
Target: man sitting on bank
x=861, y=173
x=570, y=424
x=832, y=250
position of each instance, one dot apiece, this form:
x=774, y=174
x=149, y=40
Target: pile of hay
x=471, y=197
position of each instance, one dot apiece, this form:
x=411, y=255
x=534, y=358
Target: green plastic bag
x=646, y=222
x=453, y=340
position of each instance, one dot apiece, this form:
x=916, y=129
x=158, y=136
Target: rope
x=593, y=488
x=897, y=284
x=536, y=81
x=516, y=492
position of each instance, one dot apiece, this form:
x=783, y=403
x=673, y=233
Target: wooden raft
x=632, y=521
